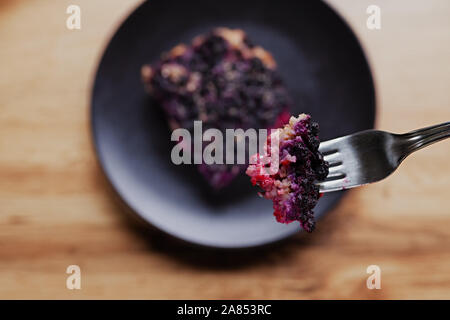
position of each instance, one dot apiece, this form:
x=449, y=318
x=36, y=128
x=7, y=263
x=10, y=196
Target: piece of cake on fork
x=291, y=183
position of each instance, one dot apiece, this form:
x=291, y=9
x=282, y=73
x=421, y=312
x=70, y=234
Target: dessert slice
x=290, y=183
x=225, y=81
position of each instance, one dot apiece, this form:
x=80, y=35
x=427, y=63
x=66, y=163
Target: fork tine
x=327, y=147
x=336, y=167
x=332, y=157
x=331, y=185
x=335, y=176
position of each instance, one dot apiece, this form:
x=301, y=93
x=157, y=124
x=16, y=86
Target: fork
x=372, y=155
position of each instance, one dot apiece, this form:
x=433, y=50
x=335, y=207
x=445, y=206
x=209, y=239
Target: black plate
x=320, y=60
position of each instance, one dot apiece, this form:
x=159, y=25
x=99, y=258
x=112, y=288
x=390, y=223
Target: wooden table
x=56, y=209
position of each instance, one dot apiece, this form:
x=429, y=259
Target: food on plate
x=223, y=80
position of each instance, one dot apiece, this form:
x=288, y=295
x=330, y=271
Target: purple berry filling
x=223, y=80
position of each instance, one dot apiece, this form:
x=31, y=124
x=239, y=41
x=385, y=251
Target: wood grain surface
x=56, y=208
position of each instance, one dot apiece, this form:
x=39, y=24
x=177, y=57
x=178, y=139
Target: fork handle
x=421, y=138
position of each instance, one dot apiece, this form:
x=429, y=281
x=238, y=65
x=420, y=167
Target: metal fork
x=372, y=155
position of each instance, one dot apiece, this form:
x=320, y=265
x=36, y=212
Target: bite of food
x=291, y=186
